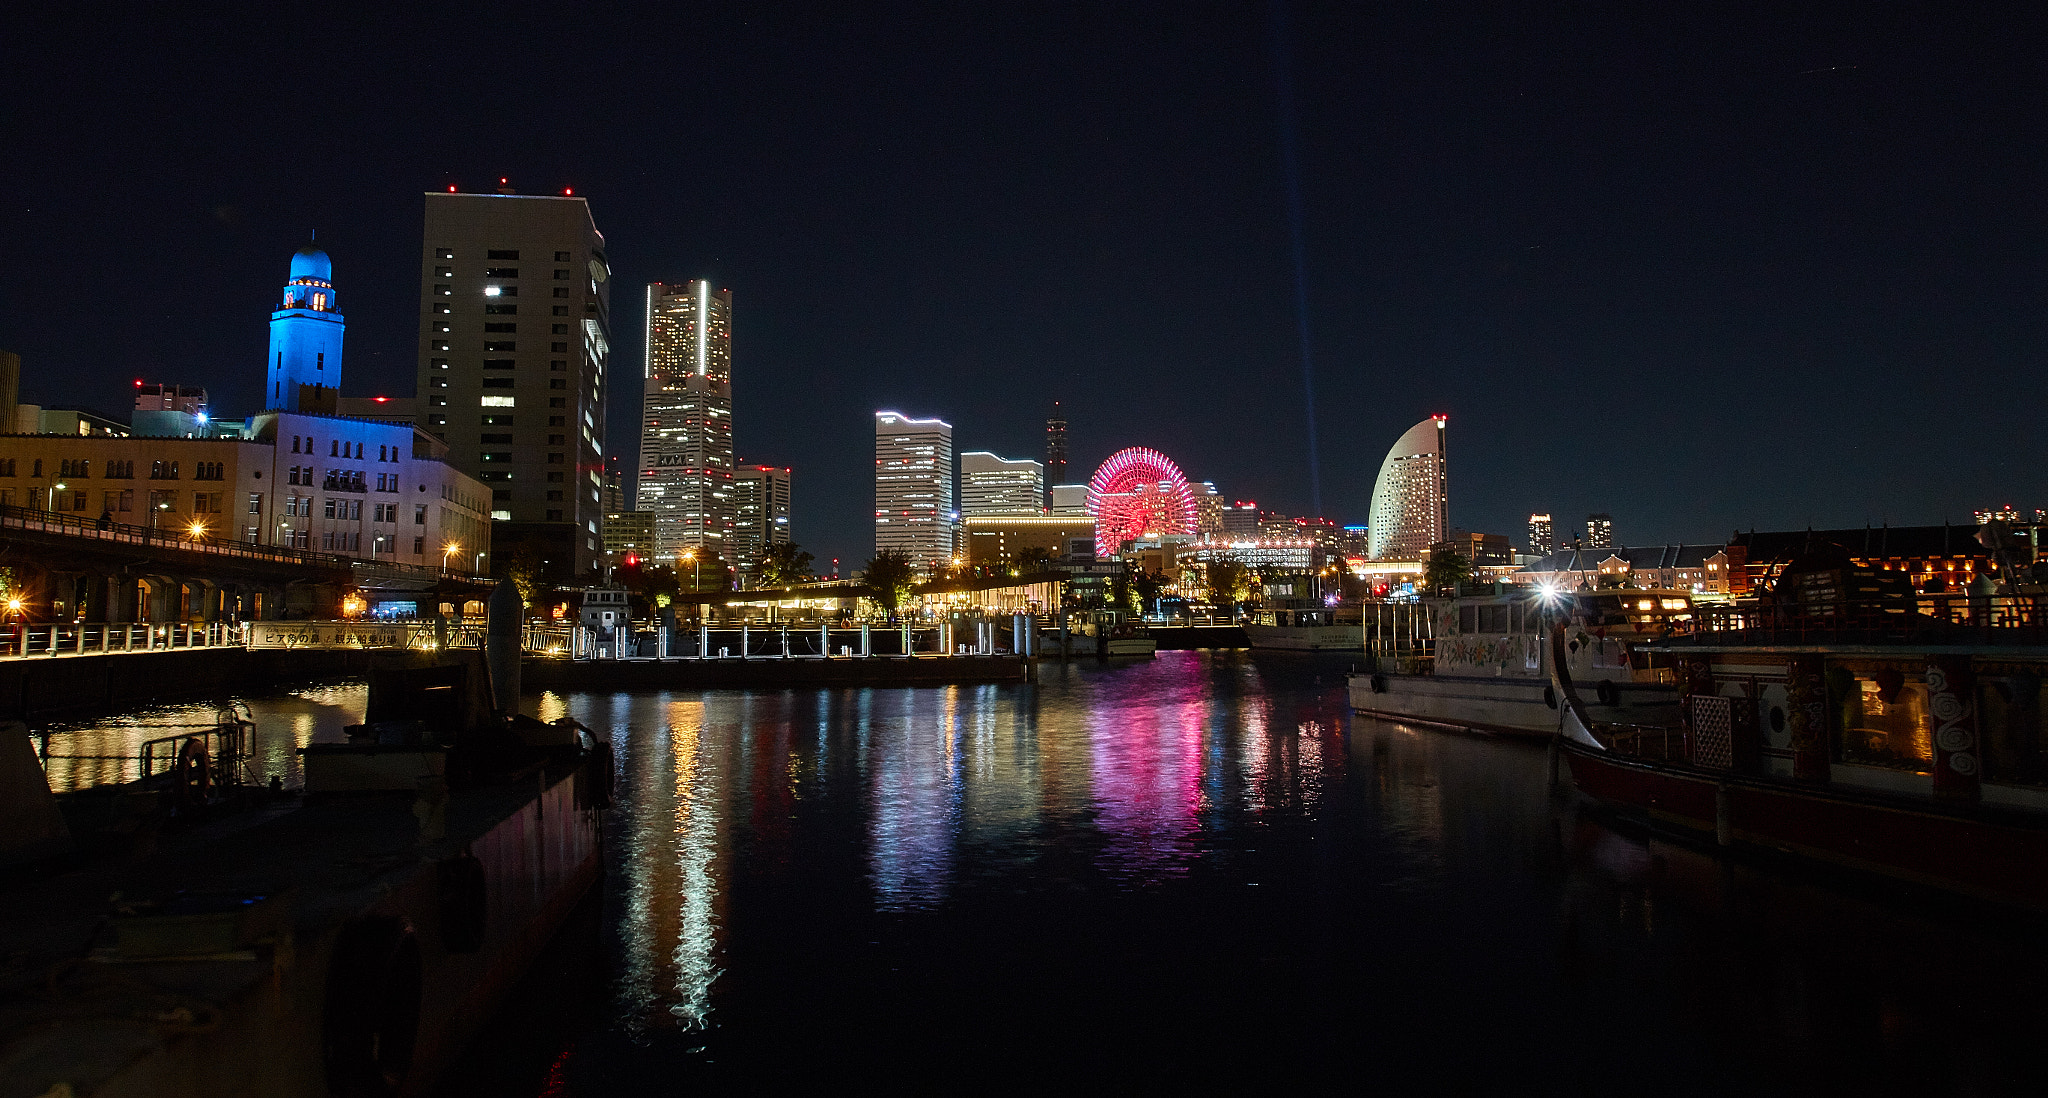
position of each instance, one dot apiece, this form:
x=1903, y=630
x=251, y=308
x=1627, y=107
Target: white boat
x=1482, y=663
x=1302, y=625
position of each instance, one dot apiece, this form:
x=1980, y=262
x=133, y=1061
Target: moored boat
x=1306, y=625
x=1900, y=734
x=1479, y=662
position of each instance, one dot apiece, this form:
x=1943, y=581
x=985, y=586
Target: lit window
x=497, y=402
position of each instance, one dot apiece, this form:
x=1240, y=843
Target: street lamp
x=698, y=570
x=447, y=551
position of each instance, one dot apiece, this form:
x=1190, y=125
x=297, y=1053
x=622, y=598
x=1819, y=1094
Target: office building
x=1239, y=520
x=515, y=342
x=991, y=485
x=1055, y=449
x=686, y=450
x=1208, y=509
x=760, y=497
x=1599, y=531
x=170, y=411
x=1542, y=540
x=1411, y=498
x=628, y=537
x=914, y=511
x=1068, y=499
x=998, y=538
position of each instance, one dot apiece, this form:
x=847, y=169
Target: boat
x=1896, y=733
x=1479, y=663
x=1306, y=625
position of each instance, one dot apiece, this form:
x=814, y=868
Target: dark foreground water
x=1203, y=872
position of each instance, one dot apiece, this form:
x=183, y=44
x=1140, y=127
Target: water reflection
x=104, y=751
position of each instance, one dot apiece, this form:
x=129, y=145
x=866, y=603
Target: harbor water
x=1199, y=870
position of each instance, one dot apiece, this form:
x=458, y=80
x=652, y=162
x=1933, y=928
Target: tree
x=1446, y=569
x=526, y=570
x=655, y=584
x=1229, y=582
x=705, y=570
x=1031, y=558
x=887, y=577
x=785, y=564
x=1146, y=586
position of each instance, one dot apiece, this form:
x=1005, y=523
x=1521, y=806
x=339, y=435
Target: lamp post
x=447, y=551
x=697, y=568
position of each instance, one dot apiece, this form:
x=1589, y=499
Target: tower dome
x=310, y=262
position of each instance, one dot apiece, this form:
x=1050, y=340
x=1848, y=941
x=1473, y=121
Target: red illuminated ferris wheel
x=1135, y=493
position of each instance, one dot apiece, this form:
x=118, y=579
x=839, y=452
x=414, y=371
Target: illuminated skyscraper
x=914, y=488
x=991, y=485
x=1542, y=539
x=1055, y=450
x=515, y=338
x=686, y=461
x=760, y=508
x=1411, y=508
x=1600, y=531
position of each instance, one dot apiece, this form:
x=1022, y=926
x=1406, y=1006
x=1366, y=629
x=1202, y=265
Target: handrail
x=58, y=522
x=1944, y=618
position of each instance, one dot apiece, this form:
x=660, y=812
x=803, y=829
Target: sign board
x=340, y=634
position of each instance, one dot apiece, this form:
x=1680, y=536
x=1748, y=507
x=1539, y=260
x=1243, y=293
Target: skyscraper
x=1600, y=531
x=914, y=488
x=991, y=485
x=515, y=335
x=686, y=457
x=1055, y=450
x=1542, y=539
x=1410, y=499
x=305, y=338
x=760, y=499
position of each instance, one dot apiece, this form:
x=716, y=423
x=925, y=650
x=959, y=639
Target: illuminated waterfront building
x=305, y=338
x=914, y=512
x=686, y=450
x=515, y=338
x=760, y=508
x=991, y=485
x=1410, y=498
x=1542, y=541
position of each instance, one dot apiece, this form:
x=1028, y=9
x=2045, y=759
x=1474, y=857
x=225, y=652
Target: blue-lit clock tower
x=305, y=339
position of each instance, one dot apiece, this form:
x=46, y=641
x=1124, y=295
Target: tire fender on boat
x=1379, y=684
x=1606, y=692
x=1549, y=696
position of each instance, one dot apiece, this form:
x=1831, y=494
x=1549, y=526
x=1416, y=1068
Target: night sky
x=1697, y=269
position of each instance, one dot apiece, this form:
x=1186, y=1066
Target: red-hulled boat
x=1850, y=720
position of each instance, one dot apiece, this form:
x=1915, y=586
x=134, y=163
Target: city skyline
x=1771, y=213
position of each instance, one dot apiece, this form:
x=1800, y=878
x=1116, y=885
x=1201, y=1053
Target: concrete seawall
x=81, y=686
x=539, y=672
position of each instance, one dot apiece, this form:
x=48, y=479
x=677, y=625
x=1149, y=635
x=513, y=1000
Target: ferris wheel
x=1135, y=493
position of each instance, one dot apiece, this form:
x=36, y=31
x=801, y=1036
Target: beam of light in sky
x=1290, y=169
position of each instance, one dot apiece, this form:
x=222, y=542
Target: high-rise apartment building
x=1542, y=538
x=1239, y=520
x=1411, y=498
x=991, y=485
x=1208, y=509
x=914, y=511
x=1055, y=450
x=760, y=509
x=515, y=337
x=686, y=454
x=1600, y=531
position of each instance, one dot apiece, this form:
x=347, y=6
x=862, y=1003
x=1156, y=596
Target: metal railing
x=1907, y=619
x=75, y=524
x=30, y=640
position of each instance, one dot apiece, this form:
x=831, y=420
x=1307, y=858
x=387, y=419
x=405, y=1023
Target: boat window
x=1493, y=619
x=1468, y=618
x=1881, y=720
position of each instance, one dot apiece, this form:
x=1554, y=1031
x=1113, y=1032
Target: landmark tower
x=305, y=338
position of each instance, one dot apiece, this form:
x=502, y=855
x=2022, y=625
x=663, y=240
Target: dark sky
x=1695, y=268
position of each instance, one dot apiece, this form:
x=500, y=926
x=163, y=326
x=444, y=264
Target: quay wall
x=540, y=672
x=83, y=686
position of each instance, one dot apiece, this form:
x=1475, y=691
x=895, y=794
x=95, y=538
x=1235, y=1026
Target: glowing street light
x=447, y=551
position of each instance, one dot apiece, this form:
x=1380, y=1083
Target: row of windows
x=501, y=457
x=496, y=253
x=81, y=468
